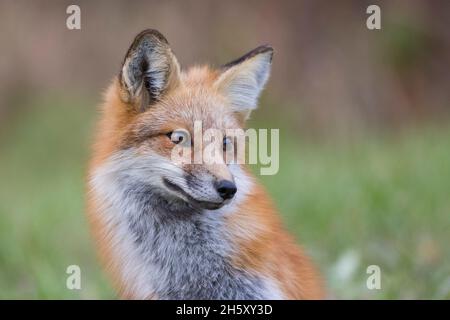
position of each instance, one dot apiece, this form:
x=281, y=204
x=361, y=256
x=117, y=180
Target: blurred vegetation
x=380, y=199
x=42, y=224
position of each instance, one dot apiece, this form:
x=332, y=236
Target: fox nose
x=226, y=189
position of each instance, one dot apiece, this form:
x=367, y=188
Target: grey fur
x=187, y=247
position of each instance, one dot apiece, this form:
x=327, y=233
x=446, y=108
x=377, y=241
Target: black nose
x=226, y=189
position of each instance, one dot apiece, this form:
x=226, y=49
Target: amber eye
x=178, y=136
x=227, y=143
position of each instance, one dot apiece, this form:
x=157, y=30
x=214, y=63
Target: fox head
x=152, y=110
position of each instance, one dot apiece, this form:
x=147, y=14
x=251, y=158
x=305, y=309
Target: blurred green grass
x=382, y=199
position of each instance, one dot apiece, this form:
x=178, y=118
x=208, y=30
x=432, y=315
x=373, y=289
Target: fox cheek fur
x=167, y=231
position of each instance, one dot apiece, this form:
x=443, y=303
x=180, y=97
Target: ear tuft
x=243, y=79
x=149, y=69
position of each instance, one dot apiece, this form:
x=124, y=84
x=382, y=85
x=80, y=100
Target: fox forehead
x=194, y=100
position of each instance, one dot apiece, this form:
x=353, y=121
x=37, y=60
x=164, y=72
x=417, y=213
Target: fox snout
x=209, y=189
x=203, y=194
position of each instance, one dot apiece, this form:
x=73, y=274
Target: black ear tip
x=258, y=50
x=149, y=34
x=265, y=48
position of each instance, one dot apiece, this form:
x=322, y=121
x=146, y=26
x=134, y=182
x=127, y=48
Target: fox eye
x=227, y=143
x=178, y=136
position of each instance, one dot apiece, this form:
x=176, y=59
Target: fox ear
x=242, y=80
x=149, y=70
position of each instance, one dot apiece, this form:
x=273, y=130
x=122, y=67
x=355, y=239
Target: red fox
x=190, y=231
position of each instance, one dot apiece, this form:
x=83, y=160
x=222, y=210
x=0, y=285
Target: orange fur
x=267, y=248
